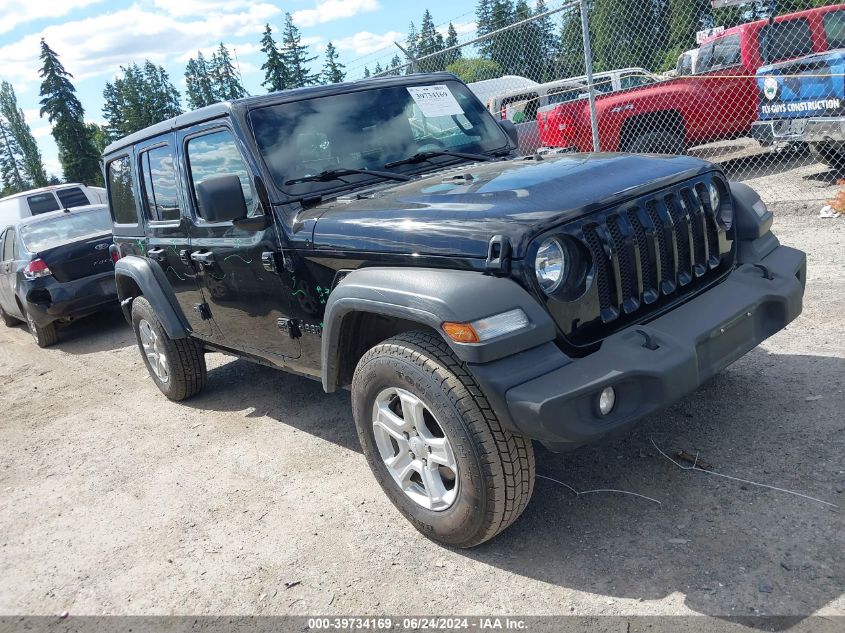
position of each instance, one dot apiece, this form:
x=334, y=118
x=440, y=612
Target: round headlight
x=723, y=213
x=550, y=265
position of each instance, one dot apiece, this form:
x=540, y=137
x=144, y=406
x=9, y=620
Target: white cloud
x=463, y=28
x=364, y=42
x=16, y=12
x=183, y=8
x=99, y=45
x=330, y=10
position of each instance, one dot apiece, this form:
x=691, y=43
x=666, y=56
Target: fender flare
x=753, y=224
x=155, y=288
x=431, y=296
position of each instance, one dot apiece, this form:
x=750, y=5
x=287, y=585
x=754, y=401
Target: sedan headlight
x=551, y=264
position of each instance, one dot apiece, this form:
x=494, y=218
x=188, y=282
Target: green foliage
x=225, y=79
x=11, y=162
x=138, y=99
x=77, y=154
x=471, y=69
x=296, y=56
x=275, y=72
x=200, y=91
x=31, y=165
x=100, y=136
x=333, y=70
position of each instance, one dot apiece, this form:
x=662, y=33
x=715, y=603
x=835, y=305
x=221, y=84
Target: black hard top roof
x=223, y=108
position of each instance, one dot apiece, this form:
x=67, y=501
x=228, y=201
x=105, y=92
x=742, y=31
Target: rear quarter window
x=72, y=197
x=42, y=203
x=785, y=40
x=122, y=191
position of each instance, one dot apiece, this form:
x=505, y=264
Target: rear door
x=168, y=239
x=247, y=298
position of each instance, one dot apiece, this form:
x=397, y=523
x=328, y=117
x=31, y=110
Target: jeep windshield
x=366, y=130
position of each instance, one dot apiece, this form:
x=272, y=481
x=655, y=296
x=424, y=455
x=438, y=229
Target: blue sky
x=94, y=37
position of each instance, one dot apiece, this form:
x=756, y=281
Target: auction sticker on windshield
x=435, y=100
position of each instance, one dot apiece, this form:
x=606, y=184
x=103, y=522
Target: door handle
x=206, y=258
x=156, y=254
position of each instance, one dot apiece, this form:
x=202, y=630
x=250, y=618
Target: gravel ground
x=253, y=498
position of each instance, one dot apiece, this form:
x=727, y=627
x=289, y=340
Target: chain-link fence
x=755, y=86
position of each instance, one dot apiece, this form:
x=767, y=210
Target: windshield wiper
x=427, y=155
x=336, y=174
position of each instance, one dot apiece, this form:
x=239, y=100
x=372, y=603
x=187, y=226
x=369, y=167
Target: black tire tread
x=188, y=372
x=508, y=459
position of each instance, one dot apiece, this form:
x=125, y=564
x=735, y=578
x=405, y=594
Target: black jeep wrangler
x=380, y=236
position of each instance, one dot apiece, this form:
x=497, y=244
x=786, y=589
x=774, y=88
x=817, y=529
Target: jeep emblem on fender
x=770, y=88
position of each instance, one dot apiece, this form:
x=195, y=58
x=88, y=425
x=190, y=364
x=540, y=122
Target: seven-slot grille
x=659, y=246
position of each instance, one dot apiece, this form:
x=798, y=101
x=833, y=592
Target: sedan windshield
x=66, y=228
x=370, y=130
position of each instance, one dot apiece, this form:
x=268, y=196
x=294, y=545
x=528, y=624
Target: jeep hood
x=456, y=211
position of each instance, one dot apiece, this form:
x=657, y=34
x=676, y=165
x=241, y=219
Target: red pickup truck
x=718, y=102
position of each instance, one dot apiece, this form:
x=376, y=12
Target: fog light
x=606, y=400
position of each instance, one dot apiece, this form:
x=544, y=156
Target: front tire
x=177, y=366
x=434, y=443
x=658, y=142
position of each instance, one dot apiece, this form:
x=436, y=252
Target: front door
x=247, y=298
x=8, y=270
x=168, y=229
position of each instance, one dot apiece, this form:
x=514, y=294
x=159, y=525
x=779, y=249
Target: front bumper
x=48, y=300
x=550, y=397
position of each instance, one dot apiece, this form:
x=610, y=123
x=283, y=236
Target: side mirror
x=221, y=199
x=510, y=129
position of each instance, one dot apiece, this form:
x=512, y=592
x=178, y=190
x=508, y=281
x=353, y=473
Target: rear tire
x=8, y=321
x=177, y=366
x=44, y=336
x=658, y=142
x=416, y=382
x=831, y=157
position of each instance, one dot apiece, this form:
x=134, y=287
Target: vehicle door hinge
x=291, y=326
x=203, y=310
x=499, y=254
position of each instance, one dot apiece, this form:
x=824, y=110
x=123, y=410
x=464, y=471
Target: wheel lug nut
x=413, y=456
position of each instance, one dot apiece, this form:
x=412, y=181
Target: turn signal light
x=35, y=269
x=461, y=332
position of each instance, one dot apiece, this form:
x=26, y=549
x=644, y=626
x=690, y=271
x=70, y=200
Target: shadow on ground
x=727, y=548
x=103, y=331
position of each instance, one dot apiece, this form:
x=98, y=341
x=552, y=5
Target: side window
x=121, y=192
x=72, y=197
x=9, y=245
x=159, y=176
x=705, y=58
x=521, y=108
x=42, y=203
x=216, y=154
x=726, y=52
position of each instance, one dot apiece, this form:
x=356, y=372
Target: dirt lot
x=254, y=499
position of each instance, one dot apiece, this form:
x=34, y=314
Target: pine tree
x=411, y=44
x=378, y=70
x=503, y=45
x=451, y=40
x=295, y=56
x=333, y=70
x=484, y=21
x=77, y=154
x=275, y=72
x=138, y=99
x=549, y=43
x=367, y=72
x=11, y=162
x=395, y=63
x=225, y=80
x=429, y=44
x=200, y=90
x=32, y=165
